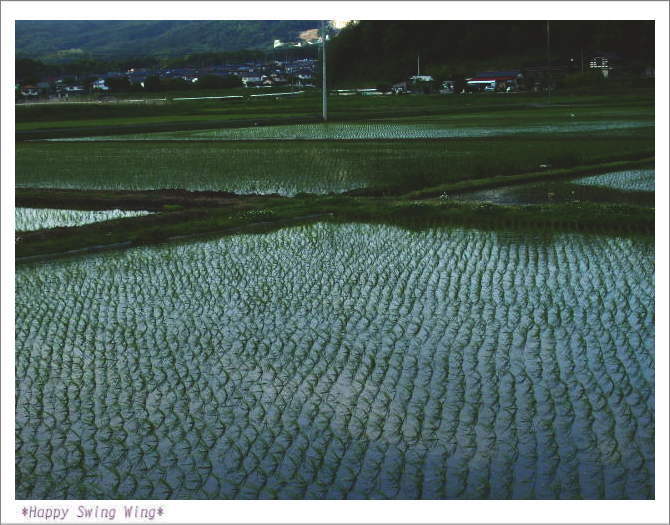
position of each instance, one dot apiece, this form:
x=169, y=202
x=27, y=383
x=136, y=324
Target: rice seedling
x=340, y=361
x=28, y=219
x=292, y=167
x=374, y=131
x=629, y=180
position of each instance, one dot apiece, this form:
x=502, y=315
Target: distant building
x=598, y=63
x=251, y=79
x=30, y=91
x=414, y=84
x=603, y=62
x=495, y=81
x=421, y=78
x=74, y=90
x=400, y=88
x=100, y=85
x=447, y=87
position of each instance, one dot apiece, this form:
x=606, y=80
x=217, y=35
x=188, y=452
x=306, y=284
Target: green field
x=54, y=116
x=634, y=187
x=447, y=139
x=496, y=122
x=290, y=167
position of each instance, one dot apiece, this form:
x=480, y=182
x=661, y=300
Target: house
x=495, y=81
x=415, y=84
x=100, y=85
x=603, y=62
x=420, y=78
x=74, y=90
x=400, y=88
x=30, y=91
x=251, y=79
x=447, y=87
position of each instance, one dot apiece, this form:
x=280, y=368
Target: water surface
x=28, y=219
x=340, y=361
x=374, y=130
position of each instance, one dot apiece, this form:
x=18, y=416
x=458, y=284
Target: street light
x=324, y=92
x=548, y=62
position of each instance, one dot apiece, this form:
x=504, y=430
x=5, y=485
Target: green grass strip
x=507, y=180
x=277, y=212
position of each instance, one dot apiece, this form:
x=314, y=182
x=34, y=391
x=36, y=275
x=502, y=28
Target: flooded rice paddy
x=340, y=361
x=377, y=131
x=28, y=219
x=286, y=170
x=628, y=180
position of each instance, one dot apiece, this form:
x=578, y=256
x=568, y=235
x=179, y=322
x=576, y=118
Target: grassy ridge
x=535, y=176
x=276, y=212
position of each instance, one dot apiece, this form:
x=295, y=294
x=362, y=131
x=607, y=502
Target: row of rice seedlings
x=28, y=219
x=286, y=171
x=294, y=167
x=627, y=180
x=340, y=361
x=373, y=130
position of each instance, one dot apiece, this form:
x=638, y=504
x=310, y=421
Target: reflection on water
x=628, y=180
x=340, y=361
x=371, y=130
x=28, y=219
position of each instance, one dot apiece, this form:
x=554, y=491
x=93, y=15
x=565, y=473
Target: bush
x=586, y=79
x=119, y=84
x=175, y=84
x=152, y=83
x=219, y=82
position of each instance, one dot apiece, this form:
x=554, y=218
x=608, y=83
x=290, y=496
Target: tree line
x=387, y=50
x=29, y=70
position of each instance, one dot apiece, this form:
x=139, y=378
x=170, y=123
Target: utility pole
x=324, y=89
x=418, y=65
x=548, y=62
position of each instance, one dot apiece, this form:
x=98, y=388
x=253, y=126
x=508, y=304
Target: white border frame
x=448, y=511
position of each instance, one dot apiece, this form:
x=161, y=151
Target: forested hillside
x=62, y=39
x=388, y=50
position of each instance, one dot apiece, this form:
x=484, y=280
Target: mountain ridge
x=63, y=39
